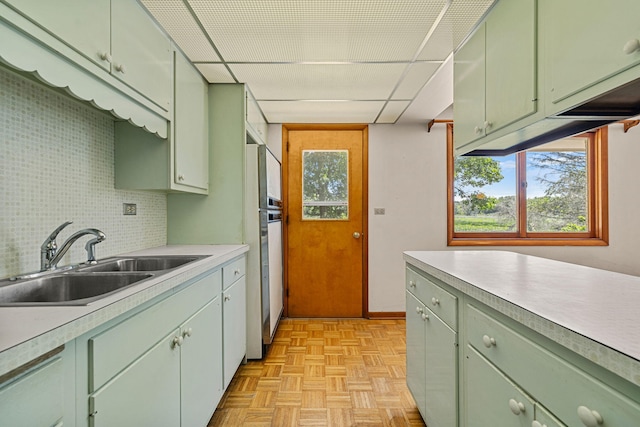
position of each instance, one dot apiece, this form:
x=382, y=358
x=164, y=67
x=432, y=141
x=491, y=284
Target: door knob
x=356, y=235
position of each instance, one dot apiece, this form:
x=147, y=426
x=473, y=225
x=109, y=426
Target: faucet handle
x=50, y=242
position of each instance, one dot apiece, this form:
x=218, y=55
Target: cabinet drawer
x=233, y=271
x=112, y=350
x=556, y=384
x=439, y=301
x=35, y=399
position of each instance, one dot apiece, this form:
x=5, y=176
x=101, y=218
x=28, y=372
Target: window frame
x=597, y=155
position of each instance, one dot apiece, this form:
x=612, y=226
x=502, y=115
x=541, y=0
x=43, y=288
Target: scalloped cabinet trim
x=26, y=53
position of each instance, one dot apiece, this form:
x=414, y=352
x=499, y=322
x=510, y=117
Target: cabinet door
x=510, y=63
x=441, y=391
x=469, y=92
x=141, y=52
x=491, y=399
x=191, y=142
x=84, y=25
x=146, y=393
x=416, y=351
x=35, y=399
x=234, y=324
x=201, y=365
x=584, y=45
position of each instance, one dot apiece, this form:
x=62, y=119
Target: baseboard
x=386, y=315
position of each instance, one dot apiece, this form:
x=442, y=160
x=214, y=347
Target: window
x=325, y=184
x=553, y=194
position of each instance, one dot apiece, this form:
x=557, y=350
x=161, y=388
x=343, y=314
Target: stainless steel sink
x=158, y=263
x=75, y=288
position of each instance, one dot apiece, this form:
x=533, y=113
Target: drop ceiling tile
x=177, y=20
x=320, y=81
x=392, y=111
x=417, y=76
x=215, y=73
x=330, y=30
x=321, y=111
x=460, y=19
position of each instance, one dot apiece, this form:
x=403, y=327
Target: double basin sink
x=84, y=284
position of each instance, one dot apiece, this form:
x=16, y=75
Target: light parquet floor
x=324, y=372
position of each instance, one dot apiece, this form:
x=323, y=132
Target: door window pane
x=557, y=187
x=325, y=184
x=485, y=194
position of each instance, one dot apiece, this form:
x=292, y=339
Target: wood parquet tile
x=324, y=372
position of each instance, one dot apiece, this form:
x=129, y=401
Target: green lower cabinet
x=491, y=399
x=35, y=398
x=201, y=365
x=234, y=324
x=147, y=393
x=441, y=381
x=416, y=352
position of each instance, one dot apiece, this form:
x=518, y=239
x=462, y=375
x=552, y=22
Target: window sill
x=465, y=241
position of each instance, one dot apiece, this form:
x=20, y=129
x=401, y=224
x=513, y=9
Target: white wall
x=57, y=164
x=407, y=176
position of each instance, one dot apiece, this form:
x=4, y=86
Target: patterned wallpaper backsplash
x=57, y=164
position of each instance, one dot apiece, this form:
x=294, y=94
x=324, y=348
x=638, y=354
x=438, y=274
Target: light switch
x=378, y=211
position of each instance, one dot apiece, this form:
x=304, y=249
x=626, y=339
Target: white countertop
x=595, y=313
x=28, y=332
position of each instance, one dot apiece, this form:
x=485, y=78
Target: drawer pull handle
x=488, y=341
x=631, y=46
x=588, y=417
x=537, y=424
x=516, y=407
x=177, y=342
x=435, y=301
x=412, y=284
x=419, y=310
x=425, y=316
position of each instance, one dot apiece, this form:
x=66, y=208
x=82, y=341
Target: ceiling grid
x=321, y=61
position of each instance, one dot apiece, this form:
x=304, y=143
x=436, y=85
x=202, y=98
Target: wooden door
x=325, y=207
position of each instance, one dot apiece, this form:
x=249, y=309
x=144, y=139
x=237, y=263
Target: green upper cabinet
x=141, y=52
x=191, y=132
x=588, y=50
x=495, y=78
x=469, y=93
x=179, y=163
x=85, y=25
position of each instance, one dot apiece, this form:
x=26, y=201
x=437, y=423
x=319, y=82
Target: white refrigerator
x=263, y=211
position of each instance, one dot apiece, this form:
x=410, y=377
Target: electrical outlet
x=129, y=209
x=378, y=211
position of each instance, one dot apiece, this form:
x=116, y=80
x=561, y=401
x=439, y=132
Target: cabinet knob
x=105, y=56
x=180, y=177
x=236, y=272
x=435, y=301
x=120, y=68
x=516, y=407
x=187, y=332
x=412, y=284
x=589, y=417
x=477, y=130
x=425, y=316
x=227, y=297
x=631, y=46
x=177, y=342
x=537, y=424
x=488, y=125
x=419, y=310
x=488, y=341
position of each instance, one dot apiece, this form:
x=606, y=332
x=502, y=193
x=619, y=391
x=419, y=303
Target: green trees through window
x=325, y=182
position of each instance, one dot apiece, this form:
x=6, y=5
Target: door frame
x=365, y=202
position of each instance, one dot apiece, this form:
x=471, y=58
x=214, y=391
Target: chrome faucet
x=50, y=255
